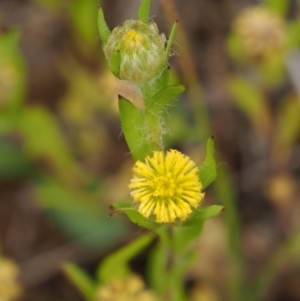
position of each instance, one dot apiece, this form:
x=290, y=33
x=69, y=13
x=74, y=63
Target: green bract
x=142, y=50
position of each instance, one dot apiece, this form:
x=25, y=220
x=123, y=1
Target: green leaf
x=273, y=69
x=288, y=126
x=188, y=231
x=116, y=265
x=81, y=280
x=202, y=214
x=163, y=98
x=235, y=47
x=115, y=63
x=132, y=126
x=278, y=6
x=183, y=236
x=84, y=17
x=44, y=139
x=208, y=170
x=13, y=72
x=157, y=268
x=170, y=41
x=104, y=31
x=293, y=36
x=135, y=216
x=13, y=162
x=250, y=100
x=177, y=275
x=144, y=9
x=162, y=81
x=78, y=215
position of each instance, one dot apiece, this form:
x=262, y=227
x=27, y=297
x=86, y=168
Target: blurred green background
x=63, y=160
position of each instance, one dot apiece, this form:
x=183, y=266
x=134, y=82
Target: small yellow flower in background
x=131, y=288
x=262, y=32
x=166, y=185
x=9, y=288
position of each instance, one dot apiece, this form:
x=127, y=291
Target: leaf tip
x=115, y=212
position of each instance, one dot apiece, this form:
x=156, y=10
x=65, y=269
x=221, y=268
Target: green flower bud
x=142, y=50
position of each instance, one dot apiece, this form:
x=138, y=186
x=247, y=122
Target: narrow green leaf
x=288, y=126
x=163, y=98
x=144, y=9
x=162, y=81
x=235, y=47
x=157, y=268
x=135, y=216
x=250, y=100
x=81, y=280
x=132, y=126
x=13, y=69
x=116, y=265
x=78, y=215
x=104, y=31
x=293, y=36
x=115, y=63
x=208, y=170
x=183, y=236
x=177, y=276
x=13, y=162
x=170, y=41
x=278, y=6
x=202, y=214
x=43, y=139
x=83, y=17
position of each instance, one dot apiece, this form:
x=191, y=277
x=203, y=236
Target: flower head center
x=164, y=186
x=132, y=39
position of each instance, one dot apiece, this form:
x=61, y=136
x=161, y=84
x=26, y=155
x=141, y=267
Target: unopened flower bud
x=142, y=50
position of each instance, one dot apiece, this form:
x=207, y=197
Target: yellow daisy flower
x=131, y=288
x=166, y=185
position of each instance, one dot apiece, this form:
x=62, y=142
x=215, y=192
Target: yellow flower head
x=166, y=185
x=131, y=288
x=9, y=287
x=262, y=32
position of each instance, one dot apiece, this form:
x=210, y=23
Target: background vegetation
x=63, y=160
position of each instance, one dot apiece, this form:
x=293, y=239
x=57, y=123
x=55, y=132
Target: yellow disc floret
x=167, y=186
x=132, y=39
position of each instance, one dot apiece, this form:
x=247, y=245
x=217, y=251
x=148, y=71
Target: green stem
x=144, y=10
x=225, y=194
x=176, y=265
